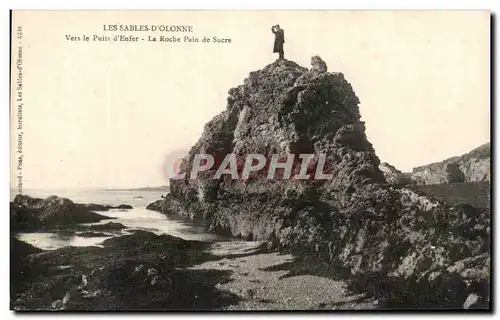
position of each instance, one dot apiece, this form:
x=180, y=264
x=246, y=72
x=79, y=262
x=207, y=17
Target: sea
x=138, y=218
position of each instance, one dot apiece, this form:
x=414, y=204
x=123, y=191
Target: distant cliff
x=470, y=167
x=164, y=188
x=473, y=166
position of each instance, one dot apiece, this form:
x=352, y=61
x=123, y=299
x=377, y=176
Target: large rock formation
x=355, y=218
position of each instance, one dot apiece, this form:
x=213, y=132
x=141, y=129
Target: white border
x=190, y=4
x=257, y=4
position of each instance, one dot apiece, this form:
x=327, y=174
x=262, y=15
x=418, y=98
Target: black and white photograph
x=261, y=160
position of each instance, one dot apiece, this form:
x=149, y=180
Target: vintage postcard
x=250, y=160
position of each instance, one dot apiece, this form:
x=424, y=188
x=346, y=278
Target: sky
x=106, y=114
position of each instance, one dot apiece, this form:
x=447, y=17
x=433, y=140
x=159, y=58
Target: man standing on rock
x=279, y=39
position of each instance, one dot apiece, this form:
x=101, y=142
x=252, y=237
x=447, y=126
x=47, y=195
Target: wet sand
x=274, y=281
x=144, y=271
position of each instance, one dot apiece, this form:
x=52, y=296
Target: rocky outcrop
x=123, y=207
x=156, y=206
x=354, y=218
x=133, y=272
x=101, y=207
x=109, y=226
x=92, y=234
x=34, y=213
x=471, y=167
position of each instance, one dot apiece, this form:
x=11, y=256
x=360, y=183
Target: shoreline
x=163, y=272
x=239, y=275
x=215, y=275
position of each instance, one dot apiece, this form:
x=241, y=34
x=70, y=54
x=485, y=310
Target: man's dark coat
x=279, y=39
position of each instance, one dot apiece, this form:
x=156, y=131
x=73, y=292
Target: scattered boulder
x=152, y=272
x=93, y=206
x=92, y=234
x=160, y=283
x=93, y=294
x=58, y=304
x=102, y=207
x=109, y=226
x=84, y=281
x=139, y=268
x=156, y=206
x=472, y=302
x=273, y=244
x=124, y=206
x=66, y=297
x=318, y=65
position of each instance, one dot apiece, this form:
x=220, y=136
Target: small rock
x=159, y=282
x=57, y=304
x=152, y=272
x=318, y=64
x=251, y=292
x=472, y=301
x=93, y=294
x=317, y=248
x=124, y=206
x=155, y=281
x=84, y=281
x=82, y=292
x=435, y=276
x=139, y=268
x=65, y=300
x=272, y=245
